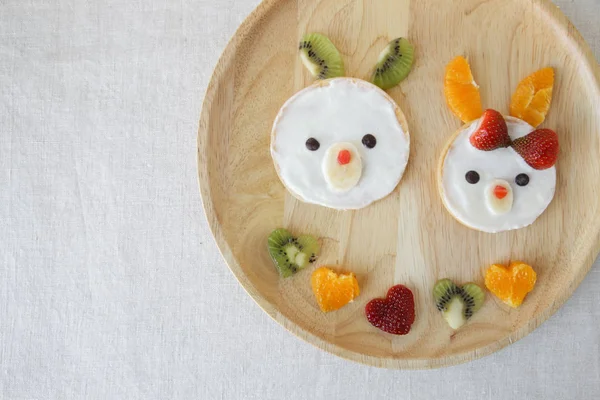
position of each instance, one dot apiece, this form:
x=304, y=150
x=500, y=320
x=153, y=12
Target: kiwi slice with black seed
x=394, y=64
x=457, y=303
x=289, y=253
x=320, y=56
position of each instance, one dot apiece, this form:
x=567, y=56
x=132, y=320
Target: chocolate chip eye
x=369, y=141
x=312, y=144
x=472, y=177
x=522, y=179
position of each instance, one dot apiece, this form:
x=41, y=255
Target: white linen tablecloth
x=111, y=286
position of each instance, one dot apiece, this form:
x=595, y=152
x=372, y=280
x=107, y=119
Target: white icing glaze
x=343, y=110
x=467, y=202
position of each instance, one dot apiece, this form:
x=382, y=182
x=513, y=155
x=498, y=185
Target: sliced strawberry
x=539, y=149
x=492, y=132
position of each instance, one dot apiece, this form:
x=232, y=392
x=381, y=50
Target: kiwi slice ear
x=290, y=254
x=394, y=64
x=456, y=303
x=320, y=56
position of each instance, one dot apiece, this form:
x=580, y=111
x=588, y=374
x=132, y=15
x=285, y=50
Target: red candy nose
x=344, y=157
x=500, y=192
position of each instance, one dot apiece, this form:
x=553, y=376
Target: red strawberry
x=394, y=314
x=539, y=149
x=492, y=132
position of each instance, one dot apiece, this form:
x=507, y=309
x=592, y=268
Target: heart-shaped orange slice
x=510, y=284
x=333, y=291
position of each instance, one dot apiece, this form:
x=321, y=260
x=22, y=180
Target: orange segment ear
x=531, y=100
x=462, y=93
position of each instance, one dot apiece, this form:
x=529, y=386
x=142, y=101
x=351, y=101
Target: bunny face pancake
x=497, y=172
x=493, y=191
x=341, y=143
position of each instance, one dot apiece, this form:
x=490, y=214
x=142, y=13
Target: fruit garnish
x=395, y=314
x=290, y=254
x=511, y=284
x=500, y=191
x=457, y=303
x=539, y=149
x=499, y=197
x=320, y=56
x=462, y=93
x=532, y=98
x=342, y=166
x=332, y=290
x=492, y=132
x=394, y=63
x=344, y=157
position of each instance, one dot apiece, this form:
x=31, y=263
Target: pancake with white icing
x=475, y=204
x=340, y=168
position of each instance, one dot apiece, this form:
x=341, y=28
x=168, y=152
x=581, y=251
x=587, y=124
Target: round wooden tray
x=408, y=237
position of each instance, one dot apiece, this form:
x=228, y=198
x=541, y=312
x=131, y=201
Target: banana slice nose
x=342, y=166
x=499, y=197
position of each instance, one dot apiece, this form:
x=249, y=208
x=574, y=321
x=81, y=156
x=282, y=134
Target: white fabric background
x=111, y=286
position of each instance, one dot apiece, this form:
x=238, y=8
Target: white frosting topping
x=467, y=202
x=344, y=110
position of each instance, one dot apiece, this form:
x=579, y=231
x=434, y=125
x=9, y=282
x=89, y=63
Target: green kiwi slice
x=394, y=64
x=474, y=296
x=456, y=303
x=290, y=254
x=320, y=56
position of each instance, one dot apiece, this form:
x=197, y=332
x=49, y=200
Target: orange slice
x=333, y=291
x=511, y=284
x=462, y=93
x=531, y=100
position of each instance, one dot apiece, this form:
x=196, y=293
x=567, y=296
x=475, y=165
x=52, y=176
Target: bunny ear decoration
x=320, y=56
x=394, y=64
x=530, y=102
x=533, y=96
x=461, y=90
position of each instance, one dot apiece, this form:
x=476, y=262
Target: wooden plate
x=407, y=237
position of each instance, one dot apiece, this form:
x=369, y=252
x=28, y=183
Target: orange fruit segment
x=497, y=280
x=333, y=291
x=510, y=284
x=524, y=278
x=532, y=98
x=461, y=90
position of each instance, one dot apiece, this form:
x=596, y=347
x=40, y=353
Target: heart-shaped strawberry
x=394, y=314
x=511, y=284
x=492, y=132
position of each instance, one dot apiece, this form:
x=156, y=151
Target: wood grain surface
x=408, y=237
